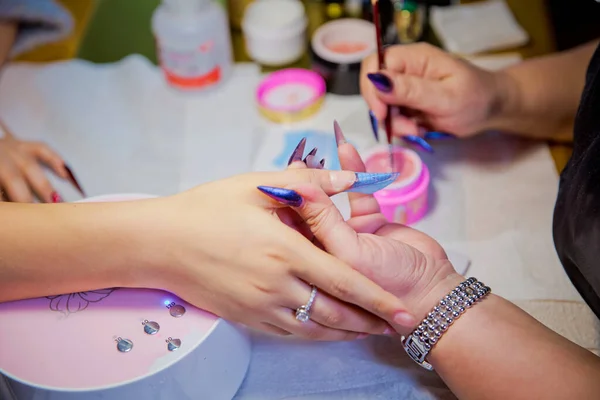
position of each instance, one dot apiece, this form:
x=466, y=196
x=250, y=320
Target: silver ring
x=303, y=312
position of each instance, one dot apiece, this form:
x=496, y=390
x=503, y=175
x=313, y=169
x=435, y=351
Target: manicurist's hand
x=439, y=91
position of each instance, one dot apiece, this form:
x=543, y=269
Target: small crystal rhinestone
x=302, y=315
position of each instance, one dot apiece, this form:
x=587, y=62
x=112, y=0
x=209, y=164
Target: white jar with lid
x=275, y=31
x=193, y=43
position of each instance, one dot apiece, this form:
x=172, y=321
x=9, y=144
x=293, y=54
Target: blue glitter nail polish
x=369, y=183
x=418, y=141
x=438, y=135
x=284, y=196
x=374, y=125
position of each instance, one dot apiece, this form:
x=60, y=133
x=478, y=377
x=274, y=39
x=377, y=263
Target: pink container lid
x=413, y=178
x=290, y=90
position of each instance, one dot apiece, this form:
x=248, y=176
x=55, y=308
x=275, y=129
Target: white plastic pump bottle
x=193, y=43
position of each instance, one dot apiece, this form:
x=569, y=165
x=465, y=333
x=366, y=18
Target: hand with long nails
x=402, y=260
x=22, y=177
x=432, y=93
x=232, y=256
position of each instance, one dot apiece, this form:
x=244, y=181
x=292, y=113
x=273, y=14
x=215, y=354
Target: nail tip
x=374, y=125
x=284, y=196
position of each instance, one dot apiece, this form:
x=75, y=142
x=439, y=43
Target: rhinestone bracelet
x=420, y=342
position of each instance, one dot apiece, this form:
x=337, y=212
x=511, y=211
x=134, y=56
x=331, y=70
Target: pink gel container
x=406, y=200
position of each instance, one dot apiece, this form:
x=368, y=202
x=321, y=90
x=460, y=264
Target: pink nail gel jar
x=406, y=200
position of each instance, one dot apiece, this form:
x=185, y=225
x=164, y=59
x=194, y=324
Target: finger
x=402, y=126
x=418, y=93
x=38, y=182
x=360, y=204
x=368, y=91
x=49, y=157
x=333, y=313
x=15, y=185
x=286, y=320
x=339, y=280
x=274, y=184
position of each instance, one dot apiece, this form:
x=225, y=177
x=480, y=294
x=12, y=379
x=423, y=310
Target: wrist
x=505, y=103
x=123, y=238
x=437, y=290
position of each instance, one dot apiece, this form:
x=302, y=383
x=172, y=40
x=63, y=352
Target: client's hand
x=406, y=262
x=21, y=174
x=226, y=251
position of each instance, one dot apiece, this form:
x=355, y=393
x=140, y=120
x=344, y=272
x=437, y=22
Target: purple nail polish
x=381, y=82
x=419, y=142
x=439, y=135
x=311, y=161
x=298, y=151
x=374, y=125
x=313, y=152
x=74, y=180
x=284, y=196
x=369, y=183
x=339, y=135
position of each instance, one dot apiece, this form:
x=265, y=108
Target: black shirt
x=577, y=211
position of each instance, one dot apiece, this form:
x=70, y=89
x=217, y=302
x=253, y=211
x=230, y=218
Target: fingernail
x=369, y=183
x=374, y=125
x=73, y=180
x=298, y=151
x=322, y=163
x=381, y=82
x=56, y=197
x=389, y=332
x=339, y=135
x=439, y=135
x=419, y=142
x=362, y=336
x=312, y=153
x=405, y=319
x=284, y=196
x=310, y=161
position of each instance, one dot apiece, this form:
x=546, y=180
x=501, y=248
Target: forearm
x=64, y=248
x=539, y=97
x=497, y=351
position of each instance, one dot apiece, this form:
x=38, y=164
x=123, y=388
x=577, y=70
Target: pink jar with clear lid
x=406, y=200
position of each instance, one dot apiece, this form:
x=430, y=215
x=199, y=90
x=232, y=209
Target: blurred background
x=109, y=30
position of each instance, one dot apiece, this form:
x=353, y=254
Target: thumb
x=422, y=94
x=327, y=223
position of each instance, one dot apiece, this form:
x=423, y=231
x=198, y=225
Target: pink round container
x=406, y=200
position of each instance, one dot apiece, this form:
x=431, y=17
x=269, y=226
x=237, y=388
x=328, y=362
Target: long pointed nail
x=418, y=141
x=311, y=161
x=56, y=197
x=73, y=180
x=298, y=151
x=381, y=82
x=313, y=152
x=369, y=183
x=284, y=196
x=439, y=135
x=322, y=164
x=374, y=125
x=339, y=135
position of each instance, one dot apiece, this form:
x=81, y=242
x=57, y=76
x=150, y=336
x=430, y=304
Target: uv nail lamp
x=119, y=344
